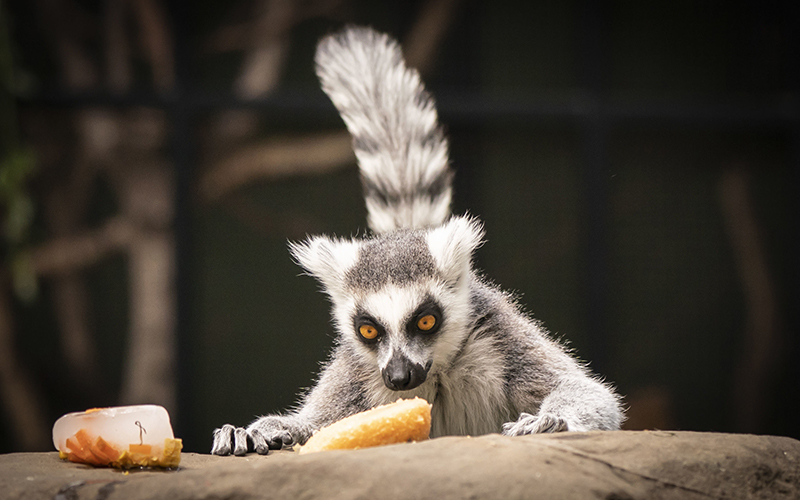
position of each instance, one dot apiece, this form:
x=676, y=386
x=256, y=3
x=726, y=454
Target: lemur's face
x=400, y=299
x=405, y=330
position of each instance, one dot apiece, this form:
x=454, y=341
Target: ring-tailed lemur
x=412, y=317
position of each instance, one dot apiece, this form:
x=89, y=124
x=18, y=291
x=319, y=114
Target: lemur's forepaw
x=268, y=433
x=535, y=424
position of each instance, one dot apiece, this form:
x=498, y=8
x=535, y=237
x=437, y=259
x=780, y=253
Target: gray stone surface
x=611, y=465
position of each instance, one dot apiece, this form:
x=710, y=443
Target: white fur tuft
x=327, y=259
x=452, y=246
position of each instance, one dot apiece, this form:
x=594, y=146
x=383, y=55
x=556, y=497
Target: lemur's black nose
x=402, y=374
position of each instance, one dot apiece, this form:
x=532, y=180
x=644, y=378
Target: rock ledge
x=611, y=465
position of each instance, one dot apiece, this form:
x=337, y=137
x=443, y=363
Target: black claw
x=287, y=440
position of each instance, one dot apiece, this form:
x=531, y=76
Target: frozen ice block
x=123, y=436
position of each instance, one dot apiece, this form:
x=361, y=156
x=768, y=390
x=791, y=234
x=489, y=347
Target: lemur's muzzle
x=402, y=374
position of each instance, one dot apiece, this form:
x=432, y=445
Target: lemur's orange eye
x=369, y=332
x=426, y=322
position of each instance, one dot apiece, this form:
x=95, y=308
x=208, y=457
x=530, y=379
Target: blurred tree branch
x=421, y=45
x=77, y=69
x=761, y=349
x=276, y=158
x=74, y=252
x=156, y=41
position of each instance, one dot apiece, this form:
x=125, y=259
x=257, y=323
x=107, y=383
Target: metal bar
x=791, y=16
x=182, y=148
x=474, y=108
x=594, y=126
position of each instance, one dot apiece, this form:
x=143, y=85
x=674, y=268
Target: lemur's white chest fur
x=470, y=399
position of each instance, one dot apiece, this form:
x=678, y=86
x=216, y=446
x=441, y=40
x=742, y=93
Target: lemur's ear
x=452, y=246
x=327, y=259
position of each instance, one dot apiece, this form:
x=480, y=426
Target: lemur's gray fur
x=484, y=365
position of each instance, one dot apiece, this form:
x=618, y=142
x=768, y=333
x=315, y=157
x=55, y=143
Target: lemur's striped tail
x=401, y=150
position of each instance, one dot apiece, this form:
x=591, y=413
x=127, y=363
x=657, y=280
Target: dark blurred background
x=637, y=166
